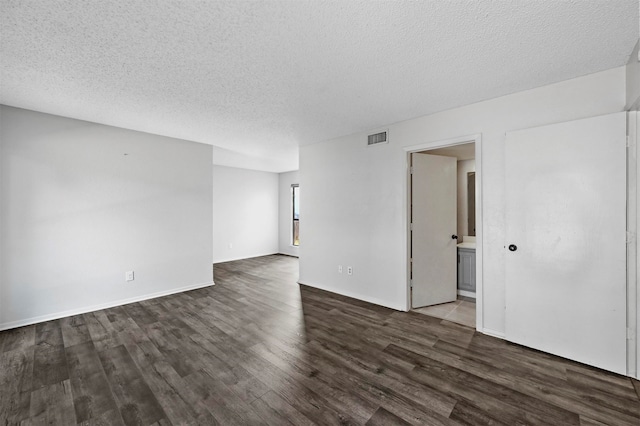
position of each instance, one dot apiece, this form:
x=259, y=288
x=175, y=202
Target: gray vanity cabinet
x=467, y=269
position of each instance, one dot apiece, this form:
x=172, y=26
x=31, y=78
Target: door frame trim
x=633, y=254
x=477, y=139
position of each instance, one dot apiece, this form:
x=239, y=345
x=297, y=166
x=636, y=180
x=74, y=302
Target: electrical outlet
x=349, y=270
x=339, y=269
x=128, y=276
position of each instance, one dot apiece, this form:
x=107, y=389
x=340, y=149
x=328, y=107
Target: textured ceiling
x=261, y=78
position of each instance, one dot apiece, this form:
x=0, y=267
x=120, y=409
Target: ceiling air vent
x=377, y=138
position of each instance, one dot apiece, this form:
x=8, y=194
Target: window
x=295, y=194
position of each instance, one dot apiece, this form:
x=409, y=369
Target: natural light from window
x=295, y=191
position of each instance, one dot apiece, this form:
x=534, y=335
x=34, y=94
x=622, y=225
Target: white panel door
x=565, y=247
x=433, y=213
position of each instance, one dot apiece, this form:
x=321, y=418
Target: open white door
x=433, y=215
x=565, y=248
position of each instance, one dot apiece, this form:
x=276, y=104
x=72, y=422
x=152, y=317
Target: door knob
x=513, y=247
x=454, y=237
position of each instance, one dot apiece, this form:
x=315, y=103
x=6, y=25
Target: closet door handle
x=513, y=247
x=454, y=237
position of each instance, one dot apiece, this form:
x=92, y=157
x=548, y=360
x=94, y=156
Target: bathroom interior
x=463, y=310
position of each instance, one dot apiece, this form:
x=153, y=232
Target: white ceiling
x=260, y=78
x=462, y=152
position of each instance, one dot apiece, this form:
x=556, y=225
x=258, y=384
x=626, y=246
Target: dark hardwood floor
x=259, y=349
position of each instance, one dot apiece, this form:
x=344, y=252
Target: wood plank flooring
x=256, y=349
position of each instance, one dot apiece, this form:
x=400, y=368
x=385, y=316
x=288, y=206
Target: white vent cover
x=378, y=138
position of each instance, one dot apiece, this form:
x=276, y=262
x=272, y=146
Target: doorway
x=445, y=230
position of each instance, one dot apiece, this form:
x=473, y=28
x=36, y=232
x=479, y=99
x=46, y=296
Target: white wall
x=77, y=213
x=355, y=196
x=245, y=213
x=464, y=167
x=285, y=215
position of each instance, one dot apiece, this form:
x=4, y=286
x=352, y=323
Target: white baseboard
x=242, y=257
x=289, y=255
x=466, y=293
x=84, y=310
x=356, y=296
x=492, y=333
